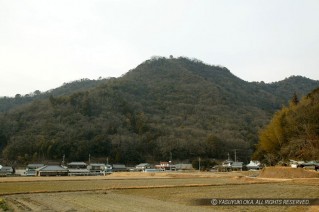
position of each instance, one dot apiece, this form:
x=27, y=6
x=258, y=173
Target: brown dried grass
x=287, y=173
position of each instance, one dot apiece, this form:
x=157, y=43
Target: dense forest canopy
x=178, y=106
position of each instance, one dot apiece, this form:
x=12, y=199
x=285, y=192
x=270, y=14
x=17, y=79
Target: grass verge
x=3, y=205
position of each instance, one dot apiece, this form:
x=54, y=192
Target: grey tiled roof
x=77, y=163
x=52, y=168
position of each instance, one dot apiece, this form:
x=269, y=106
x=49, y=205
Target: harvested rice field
x=155, y=192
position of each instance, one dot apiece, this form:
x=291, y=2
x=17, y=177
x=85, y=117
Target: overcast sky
x=44, y=43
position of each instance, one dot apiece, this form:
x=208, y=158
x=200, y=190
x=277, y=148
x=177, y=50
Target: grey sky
x=46, y=43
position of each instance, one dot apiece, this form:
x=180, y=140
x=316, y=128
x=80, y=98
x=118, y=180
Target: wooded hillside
x=163, y=107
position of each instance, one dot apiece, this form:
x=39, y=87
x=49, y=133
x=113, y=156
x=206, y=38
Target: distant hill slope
x=163, y=107
x=7, y=103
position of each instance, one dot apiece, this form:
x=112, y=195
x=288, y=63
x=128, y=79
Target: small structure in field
x=52, y=170
x=78, y=168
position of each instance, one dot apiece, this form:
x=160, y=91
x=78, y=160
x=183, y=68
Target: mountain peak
x=161, y=67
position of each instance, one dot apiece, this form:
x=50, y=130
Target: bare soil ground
x=152, y=192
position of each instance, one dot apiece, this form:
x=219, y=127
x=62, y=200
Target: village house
x=229, y=165
x=142, y=166
x=108, y=168
x=237, y=166
x=165, y=166
x=52, y=170
x=119, y=168
x=183, y=166
x=253, y=165
x=309, y=165
x=31, y=169
x=78, y=168
x=6, y=170
x=226, y=166
x=97, y=168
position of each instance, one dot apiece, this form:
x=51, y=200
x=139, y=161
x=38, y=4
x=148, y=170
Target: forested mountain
x=163, y=107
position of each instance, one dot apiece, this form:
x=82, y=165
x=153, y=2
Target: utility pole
x=235, y=155
x=89, y=158
x=199, y=164
x=170, y=161
x=63, y=159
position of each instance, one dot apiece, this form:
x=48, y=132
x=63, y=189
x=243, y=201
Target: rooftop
x=77, y=164
x=52, y=168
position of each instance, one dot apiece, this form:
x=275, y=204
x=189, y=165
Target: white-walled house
x=142, y=166
x=253, y=165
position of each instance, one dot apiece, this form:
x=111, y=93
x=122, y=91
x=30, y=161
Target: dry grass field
x=153, y=192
